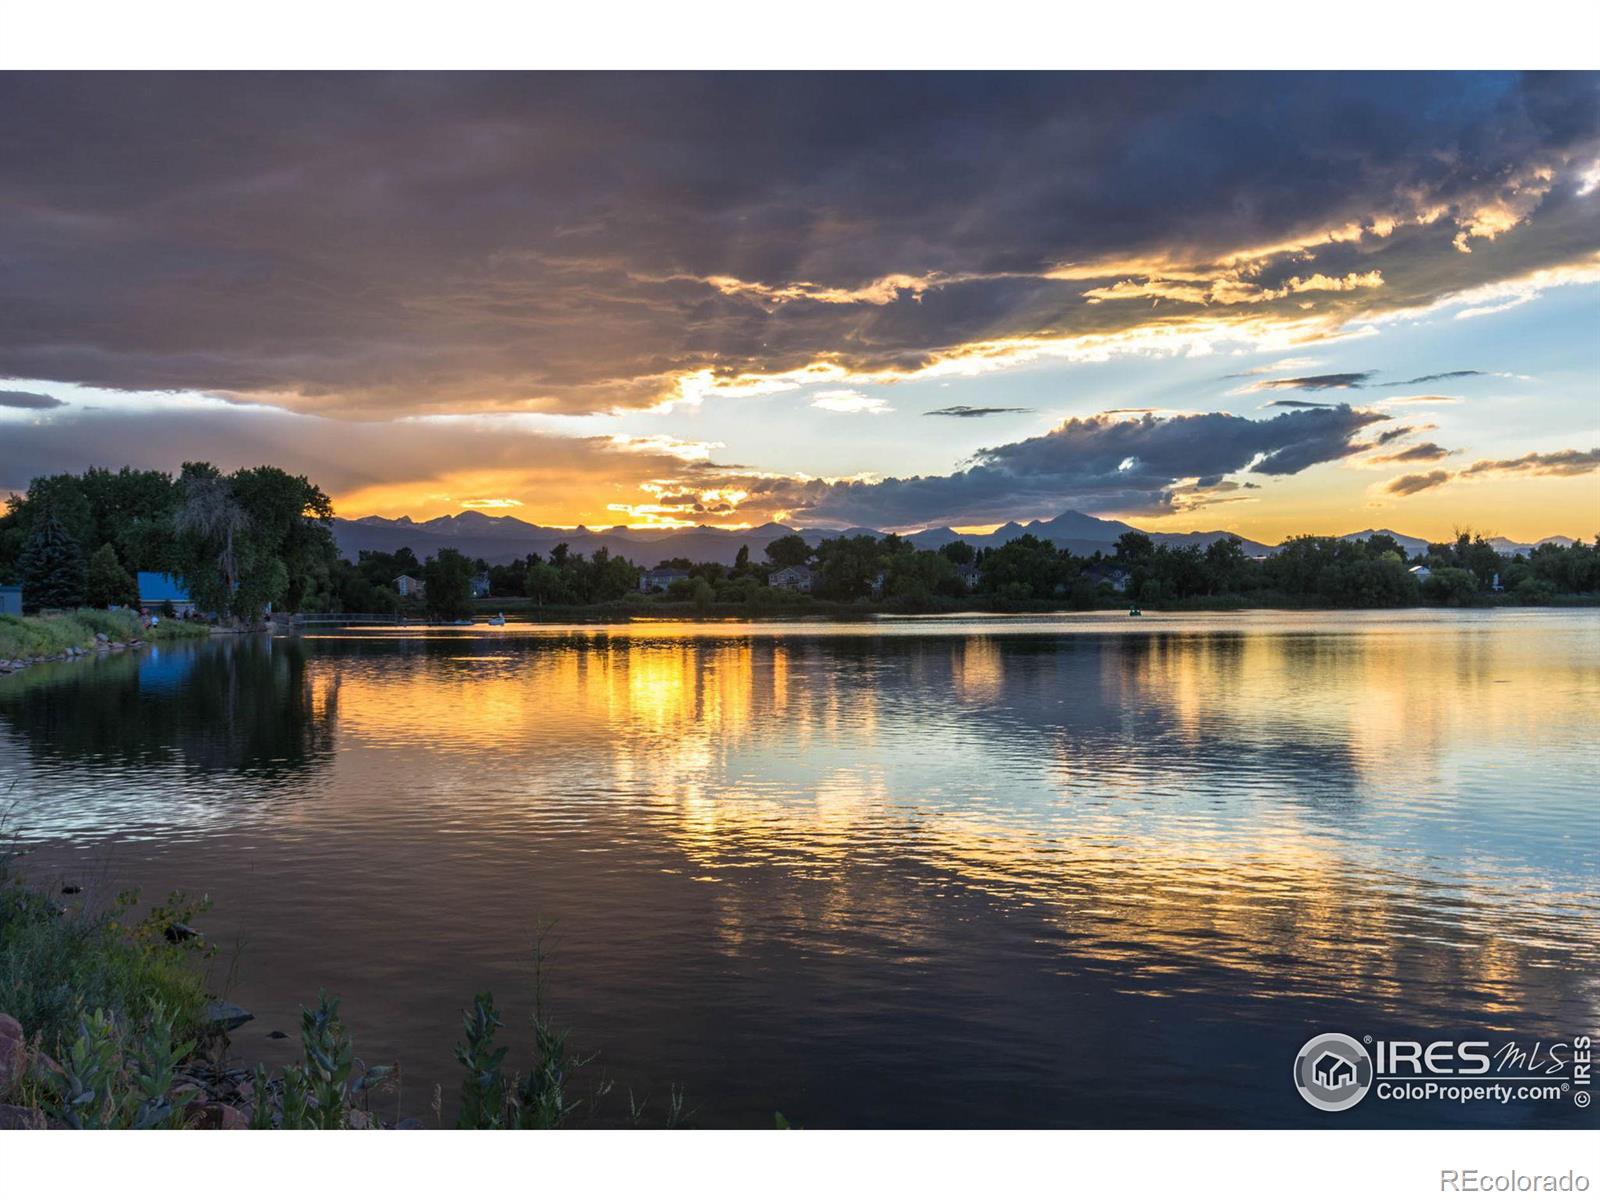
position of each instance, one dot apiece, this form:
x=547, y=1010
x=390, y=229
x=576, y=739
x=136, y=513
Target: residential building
x=1421, y=574
x=792, y=579
x=158, y=589
x=1114, y=577
x=409, y=587
x=660, y=579
x=968, y=576
x=480, y=586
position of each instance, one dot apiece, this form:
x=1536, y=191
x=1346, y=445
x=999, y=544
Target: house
x=480, y=586
x=1113, y=577
x=410, y=587
x=660, y=578
x=11, y=600
x=1421, y=574
x=879, y=581
x=158, y=589
x=792, y=579
x=1333, y=1070
x=968, y=576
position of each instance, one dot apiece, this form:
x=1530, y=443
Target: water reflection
x=945, y=837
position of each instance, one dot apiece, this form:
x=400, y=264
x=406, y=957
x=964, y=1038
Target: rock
x=277, y=1035
x=215, y=1115
x=179, y=932
x=13, y=1116
x=100, y=637
x=10, y=1027
x=359, y=1120
x=13, y=1064
x=222, y=1016
x=70, y=889
x=118, y=646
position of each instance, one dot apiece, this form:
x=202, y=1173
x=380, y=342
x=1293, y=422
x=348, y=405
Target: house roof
x=156, y=586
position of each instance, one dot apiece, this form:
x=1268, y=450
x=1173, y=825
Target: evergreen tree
x=51, y=566
x=108, y=583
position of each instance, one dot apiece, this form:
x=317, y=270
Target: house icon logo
x=1333, y=1072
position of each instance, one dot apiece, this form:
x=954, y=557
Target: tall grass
x=41, y=637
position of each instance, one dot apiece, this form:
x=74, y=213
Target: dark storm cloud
x=383, y=244
x=1096, y=463
x=29, y=400
x=1296, y=404
x=967, y=410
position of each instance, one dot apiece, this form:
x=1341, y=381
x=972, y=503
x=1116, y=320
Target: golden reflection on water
x=1213, y=853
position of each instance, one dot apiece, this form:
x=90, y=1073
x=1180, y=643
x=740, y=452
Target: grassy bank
x=41, y=637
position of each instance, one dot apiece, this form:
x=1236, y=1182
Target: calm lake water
x=1078, y=871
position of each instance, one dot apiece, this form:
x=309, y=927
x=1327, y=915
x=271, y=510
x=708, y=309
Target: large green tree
x=448, y=578
x=108, y=583
x=52, y=566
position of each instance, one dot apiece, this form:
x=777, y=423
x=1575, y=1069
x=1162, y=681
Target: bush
x=58, y=970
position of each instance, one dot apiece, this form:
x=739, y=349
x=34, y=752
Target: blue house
x=10, y=600
x=157, y=588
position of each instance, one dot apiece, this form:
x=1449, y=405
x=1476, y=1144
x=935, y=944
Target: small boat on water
x=1135, y=612
x=498, y=619
x=463, y=621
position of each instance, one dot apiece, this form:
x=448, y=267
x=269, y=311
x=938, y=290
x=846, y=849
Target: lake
x=1065, y=871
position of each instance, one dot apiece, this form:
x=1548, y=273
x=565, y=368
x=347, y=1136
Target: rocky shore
x=102, y=644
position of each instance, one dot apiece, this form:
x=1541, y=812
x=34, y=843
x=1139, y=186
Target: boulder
x=179, y=932
x=13, y=1064
x=223, y=1016
x=10, y=1027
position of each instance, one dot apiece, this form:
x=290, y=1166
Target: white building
x=408, y=586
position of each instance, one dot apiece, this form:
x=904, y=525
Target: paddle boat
x=498, y=619
x=1135, y=612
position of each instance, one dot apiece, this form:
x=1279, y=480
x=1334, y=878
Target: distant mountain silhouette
x=501, y=539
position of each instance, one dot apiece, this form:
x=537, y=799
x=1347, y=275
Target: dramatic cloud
x=1097, y=463
x=1316, y=383
x=383, y=245
x=1421, y=452
x=967, y=410
x=35, y=400
x=1297, y=404
x=1407, y=485
x=1558, y=462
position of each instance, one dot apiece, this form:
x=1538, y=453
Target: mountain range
x=501, y=539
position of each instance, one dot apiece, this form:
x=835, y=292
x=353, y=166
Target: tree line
x=240, y=541
x=261, y=537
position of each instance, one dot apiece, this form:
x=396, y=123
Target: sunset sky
x=1272, y=303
